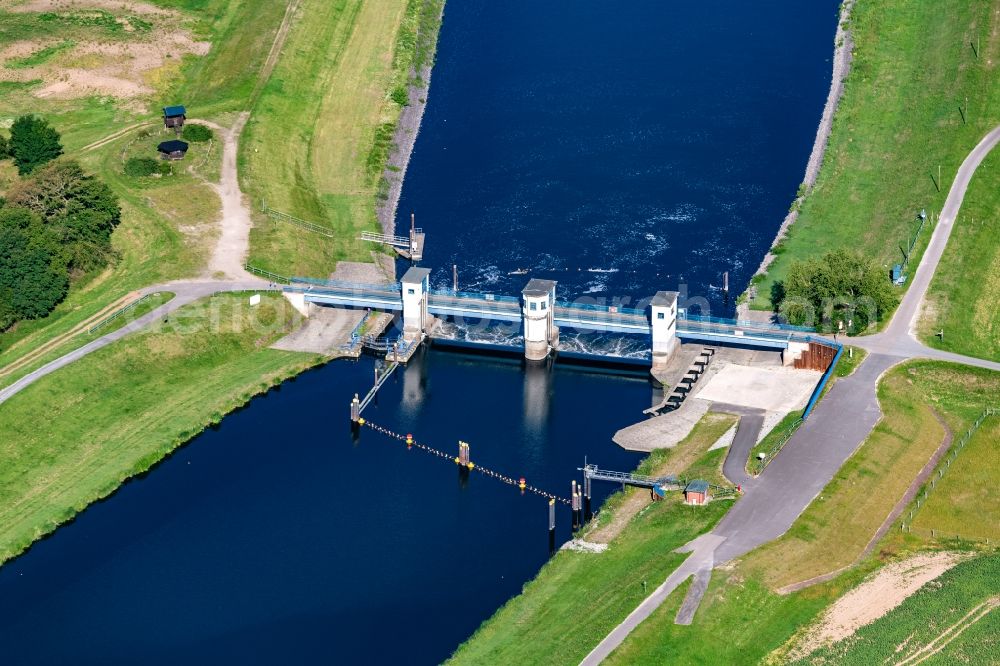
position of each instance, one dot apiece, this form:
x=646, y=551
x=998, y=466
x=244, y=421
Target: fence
x=451, y=293
x=303, y=224
x=945, y=465
x=119, y=313
x=273, y=277
x=756, y=465
x=739, y=323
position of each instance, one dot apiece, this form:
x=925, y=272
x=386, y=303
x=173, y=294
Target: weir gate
x=540, y=316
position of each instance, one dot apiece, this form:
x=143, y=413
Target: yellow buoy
x=471, y=465
x=361, y=421
x=458, y=461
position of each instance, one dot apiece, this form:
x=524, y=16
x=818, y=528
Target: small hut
x=696, y=493
x=174, y=116
x=172, y=150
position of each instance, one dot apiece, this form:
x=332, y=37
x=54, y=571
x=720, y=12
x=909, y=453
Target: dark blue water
x=660, y=139
x=277, y=539
x=664, y=140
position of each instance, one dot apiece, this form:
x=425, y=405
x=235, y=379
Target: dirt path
x=115, y=135
x=230, y=252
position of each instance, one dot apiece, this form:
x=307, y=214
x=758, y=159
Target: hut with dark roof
x=174, y=116
x=172, y=150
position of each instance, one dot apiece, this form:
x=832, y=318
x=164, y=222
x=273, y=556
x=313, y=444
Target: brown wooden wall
x=817, y=357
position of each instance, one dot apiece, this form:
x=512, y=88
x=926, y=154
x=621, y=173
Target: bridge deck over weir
x=542, y=315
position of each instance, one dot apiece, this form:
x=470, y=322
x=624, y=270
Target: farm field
x=951, y=620
x=907, y=90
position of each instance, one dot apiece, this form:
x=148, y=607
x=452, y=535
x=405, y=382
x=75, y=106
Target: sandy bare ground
x=119, y=68
x=114, y=6
x=872, y=599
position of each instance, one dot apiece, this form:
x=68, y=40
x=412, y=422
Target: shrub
x=4, y=148
x=198, y=133
x=840, y=286
x=137, y=167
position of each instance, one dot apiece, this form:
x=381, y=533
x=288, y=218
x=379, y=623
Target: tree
x=4, y=148
x=840, y=287
x=79, y=209
x=30, y=285
x=33, y=142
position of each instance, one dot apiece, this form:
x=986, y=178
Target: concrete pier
x=539, y=298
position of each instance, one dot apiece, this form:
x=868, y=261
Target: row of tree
x=55, y=226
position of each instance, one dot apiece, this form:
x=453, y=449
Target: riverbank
x=74, y=437
x=408, y=126
x=842, y=54
x=917, y=100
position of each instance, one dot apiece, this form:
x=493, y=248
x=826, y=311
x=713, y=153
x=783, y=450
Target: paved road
x=899, y=337
x=838, y=425
x=185, y=292
x=751, y=421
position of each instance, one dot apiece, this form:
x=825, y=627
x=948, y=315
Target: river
x=661, y=140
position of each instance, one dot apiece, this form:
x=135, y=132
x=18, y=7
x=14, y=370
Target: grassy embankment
x=901, y=116
x=74, y=436
x=167, y=223
x=318, y=140
x=962, y=299
x=830, y=534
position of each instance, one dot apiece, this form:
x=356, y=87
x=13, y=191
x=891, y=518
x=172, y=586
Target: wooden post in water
x=454, y=277
x=552, y=524
x=725, y=282
x=586, y=496
x=575, y=500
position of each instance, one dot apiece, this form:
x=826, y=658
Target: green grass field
x=951, y=620
x=899, y=119
x=167, y=224
x=962, y=299
x=964, y=500
x=318, y=139
x=76, y=435
x=577, y=598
